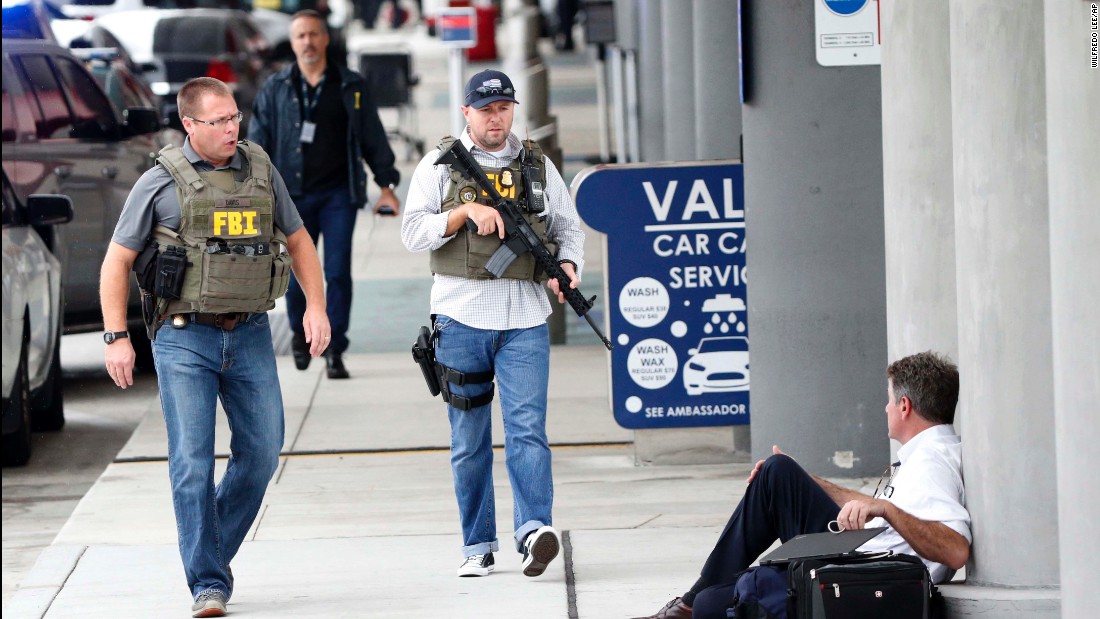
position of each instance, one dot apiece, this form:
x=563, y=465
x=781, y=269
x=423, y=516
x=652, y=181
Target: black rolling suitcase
x=873, y=587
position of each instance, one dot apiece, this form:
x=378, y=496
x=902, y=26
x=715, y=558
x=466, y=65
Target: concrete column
x=1073, y=137
x=717, y=94
x=917, y=182
x=718, y=109
x=678, y=67
x=1002, y=254
x=814, y=219
x=651, y=82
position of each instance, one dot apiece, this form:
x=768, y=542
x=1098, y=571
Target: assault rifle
x=519, y=237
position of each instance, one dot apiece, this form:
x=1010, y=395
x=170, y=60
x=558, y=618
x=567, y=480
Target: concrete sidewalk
x=360, y=520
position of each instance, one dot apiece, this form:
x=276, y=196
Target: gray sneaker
x=209, y=603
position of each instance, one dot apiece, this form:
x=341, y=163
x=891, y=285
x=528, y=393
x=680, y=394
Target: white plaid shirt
x=497, y=304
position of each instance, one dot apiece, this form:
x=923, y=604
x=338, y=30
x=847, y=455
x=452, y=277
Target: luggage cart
x=390, y=81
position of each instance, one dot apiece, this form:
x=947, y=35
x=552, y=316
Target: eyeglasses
x=887, y=475
x=236, y=118
x=486, y=91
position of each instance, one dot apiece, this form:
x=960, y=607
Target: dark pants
x=781, y=502
x=328, y=214
x=567, y=16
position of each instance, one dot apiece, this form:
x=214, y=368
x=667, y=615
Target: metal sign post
x=458, y=30
x=676, y=290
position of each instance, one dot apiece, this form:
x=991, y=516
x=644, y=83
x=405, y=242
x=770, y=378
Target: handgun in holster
x=440, y=377
x=145, y=268
x=423, y=352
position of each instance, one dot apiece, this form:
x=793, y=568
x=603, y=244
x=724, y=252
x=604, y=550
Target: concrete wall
x=917, y=179
x=651, y=81
x=717, y=95
x=678, y=69
x=1073, y=143
x=1002, y=258
x=814, y=213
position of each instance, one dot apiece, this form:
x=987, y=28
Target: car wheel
x=143, y=349
x=17, y=444
x=48, y=402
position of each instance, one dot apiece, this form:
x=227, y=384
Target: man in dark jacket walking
x=319, y=124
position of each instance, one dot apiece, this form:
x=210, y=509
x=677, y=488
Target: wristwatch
x=109, y=337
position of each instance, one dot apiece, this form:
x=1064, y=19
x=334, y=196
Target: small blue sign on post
x=676, y=281
x=458, y=27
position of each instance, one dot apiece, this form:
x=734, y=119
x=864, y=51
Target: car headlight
x=696, y=367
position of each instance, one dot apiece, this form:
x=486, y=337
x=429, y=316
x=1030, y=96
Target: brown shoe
x=676, y=609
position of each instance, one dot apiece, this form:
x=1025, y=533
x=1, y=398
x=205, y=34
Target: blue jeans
x=196, y=365
x=331, y=215
x=521, y=360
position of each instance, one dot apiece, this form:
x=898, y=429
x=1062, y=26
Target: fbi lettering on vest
x=234, y=223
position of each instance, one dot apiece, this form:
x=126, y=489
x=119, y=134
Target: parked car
x=32, y=389
x=63, y=136
x=90, y=9
x=186, y=43
x=113, y=68
x=29, y=19
x=273, y=24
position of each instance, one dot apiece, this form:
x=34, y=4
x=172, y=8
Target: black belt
x=227, y=321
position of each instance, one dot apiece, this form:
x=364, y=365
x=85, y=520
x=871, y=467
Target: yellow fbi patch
x=504, y=185
x=234, y=223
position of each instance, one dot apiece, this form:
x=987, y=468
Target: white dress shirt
x=927, y=485
x=497, y=304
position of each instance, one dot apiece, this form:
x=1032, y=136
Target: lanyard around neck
x=310, y=102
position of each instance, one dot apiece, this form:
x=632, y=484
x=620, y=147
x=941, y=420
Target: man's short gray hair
x=930, y=381
x=310, y=13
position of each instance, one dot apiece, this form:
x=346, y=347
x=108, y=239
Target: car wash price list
x=677, y=283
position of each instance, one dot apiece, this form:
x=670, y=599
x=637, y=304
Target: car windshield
x=723, y=344
x=187, y=34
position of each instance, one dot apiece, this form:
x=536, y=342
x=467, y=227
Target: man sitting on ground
x=923, y=504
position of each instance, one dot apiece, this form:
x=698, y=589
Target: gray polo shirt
x=153, y=201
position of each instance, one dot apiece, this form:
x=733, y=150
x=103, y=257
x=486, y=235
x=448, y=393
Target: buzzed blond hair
x=190, y=96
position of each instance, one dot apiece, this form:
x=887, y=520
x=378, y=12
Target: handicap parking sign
x=677, y=281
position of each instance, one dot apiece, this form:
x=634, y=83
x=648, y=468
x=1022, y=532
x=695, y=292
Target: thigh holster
x=449, y=376
x=440, y=377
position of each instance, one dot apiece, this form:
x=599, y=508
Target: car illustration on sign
x=718, y=364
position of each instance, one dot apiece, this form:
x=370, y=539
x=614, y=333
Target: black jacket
x=276, y=126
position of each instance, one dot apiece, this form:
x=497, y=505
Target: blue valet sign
x=676, y=282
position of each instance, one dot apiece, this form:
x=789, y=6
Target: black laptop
x=820, y=545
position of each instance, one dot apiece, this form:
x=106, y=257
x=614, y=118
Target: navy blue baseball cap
x=487, y=87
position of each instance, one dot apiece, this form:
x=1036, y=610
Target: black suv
x=63, y=136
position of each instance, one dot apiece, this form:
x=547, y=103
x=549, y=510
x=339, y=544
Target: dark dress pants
x=781, y=502
x=329, y=216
